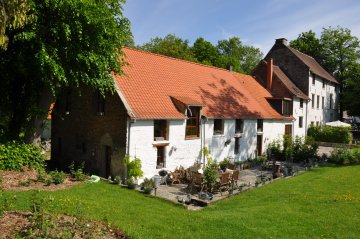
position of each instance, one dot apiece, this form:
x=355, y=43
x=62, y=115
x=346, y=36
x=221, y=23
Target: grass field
x=322, y=203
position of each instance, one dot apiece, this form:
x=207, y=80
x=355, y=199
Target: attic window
x=192, y=123
x=160, y=129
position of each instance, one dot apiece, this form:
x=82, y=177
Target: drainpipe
x=306, y=118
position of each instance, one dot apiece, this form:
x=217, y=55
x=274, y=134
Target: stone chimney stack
x=282, y=41
x=269, y=75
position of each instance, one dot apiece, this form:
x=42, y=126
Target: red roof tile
x=151, y=80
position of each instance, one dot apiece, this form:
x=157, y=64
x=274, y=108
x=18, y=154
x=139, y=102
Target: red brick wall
x=84, y=135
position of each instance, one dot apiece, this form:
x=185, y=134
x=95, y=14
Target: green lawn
x=322, y=203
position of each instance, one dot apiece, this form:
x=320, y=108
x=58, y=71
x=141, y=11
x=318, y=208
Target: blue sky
x=257, y=22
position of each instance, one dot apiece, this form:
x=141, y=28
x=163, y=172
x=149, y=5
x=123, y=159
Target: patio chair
x=235, y=177
x=224, y=182
x=197, y=180
x=175, y=177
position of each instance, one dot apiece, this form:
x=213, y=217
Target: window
x=313, y=78
x=301, y=103
x=260, y=124
x=322, y=102
x=160, y=130
x=100, y=104
x=218, y=126
x=323, y=81
x=287, y=108
x=312, y=100
x=300, y=122
x=192, y=123
x=317, y=101
x=331, y=101
x=288, y=129
x=237, y=146
x=239, y=126
x=160, y=157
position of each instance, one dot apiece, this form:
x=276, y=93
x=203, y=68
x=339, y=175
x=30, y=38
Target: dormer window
x=192, y=123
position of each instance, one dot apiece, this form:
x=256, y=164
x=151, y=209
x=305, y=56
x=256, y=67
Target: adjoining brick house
x=300, y=86
x=165, y=111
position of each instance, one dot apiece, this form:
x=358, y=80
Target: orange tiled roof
x=151, y=80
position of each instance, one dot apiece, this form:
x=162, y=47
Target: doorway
x=160, y=162
x=259, y=145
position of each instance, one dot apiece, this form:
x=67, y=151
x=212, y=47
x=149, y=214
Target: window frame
x=218, y=123
x=163, y=128
x=312, y=101
x=239, y=126
x=260, y=125
x=301, y=103
x=194, y=116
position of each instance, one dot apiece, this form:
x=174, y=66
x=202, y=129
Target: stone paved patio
x=180, y=191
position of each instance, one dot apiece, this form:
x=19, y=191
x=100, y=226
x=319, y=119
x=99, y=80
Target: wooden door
x=288, y=129
x=259, y=145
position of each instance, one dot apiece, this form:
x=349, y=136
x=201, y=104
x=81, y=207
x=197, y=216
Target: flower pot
x=148, y=190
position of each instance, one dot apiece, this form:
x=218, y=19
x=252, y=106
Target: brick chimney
x=269, y=73
x=282, y=41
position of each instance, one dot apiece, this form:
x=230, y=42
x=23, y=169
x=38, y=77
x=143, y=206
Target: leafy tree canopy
x=229, y=52
x=170, y=45
x=66, y=43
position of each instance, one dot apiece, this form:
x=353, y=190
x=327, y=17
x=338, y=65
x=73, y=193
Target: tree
x=68, y=43
x=351, y=94
x=338, y=52
x=242, y=58
x=205, y=52
x=13, y=15
x=170, y=45
x=308, y=43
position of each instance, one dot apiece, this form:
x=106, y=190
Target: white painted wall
x=318, y=114
x=186, y=152
x=299, y=112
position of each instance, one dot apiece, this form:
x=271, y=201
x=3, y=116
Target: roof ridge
x=177, y=59
x=302, y=53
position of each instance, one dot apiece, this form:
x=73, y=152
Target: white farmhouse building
x=311, y=91
x=164, y=112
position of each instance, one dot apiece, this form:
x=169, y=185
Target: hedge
x=15, y=156
x=330, y=134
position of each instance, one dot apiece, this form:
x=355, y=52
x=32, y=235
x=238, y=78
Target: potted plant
x=223, y=164
x=210, y=176
x=133, y=170
x=148, y=185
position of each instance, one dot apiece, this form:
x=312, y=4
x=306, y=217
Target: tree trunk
x=37, y=125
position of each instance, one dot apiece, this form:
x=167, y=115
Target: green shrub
x=276, y=151
x=78, y=173
x=15, y=156
x=58, y=177
x=344, y=157
x=133, y=167
x=330, y=134
x=304, y=149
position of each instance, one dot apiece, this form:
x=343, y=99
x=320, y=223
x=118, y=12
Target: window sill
x=191, y=137
x=260, y=133
x=161, y=143
x=238, y=135
x=218, y=135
